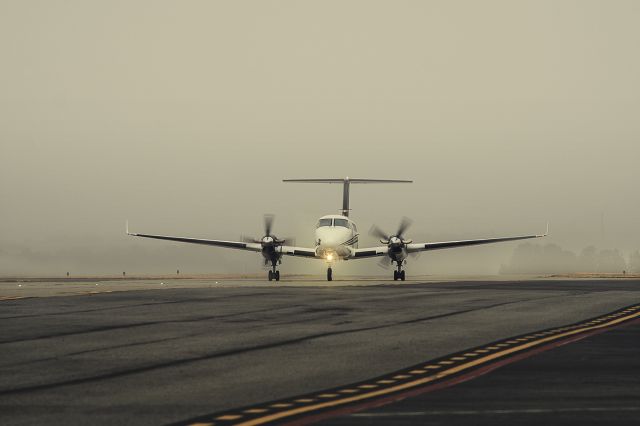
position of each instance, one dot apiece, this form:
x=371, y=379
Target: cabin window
x=324, y=222
x=341, y=222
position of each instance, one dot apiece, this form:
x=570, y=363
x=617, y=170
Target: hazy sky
x=184, y=116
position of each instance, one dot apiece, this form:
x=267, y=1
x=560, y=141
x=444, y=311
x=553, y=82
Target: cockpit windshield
x=324, y=222
x=341, y=222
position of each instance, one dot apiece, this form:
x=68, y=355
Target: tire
x=402, y=275
x=270, y=275
x=395, y=275
x=277, y=275
x=329, y=274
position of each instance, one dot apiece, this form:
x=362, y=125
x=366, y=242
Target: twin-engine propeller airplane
x=336, y=238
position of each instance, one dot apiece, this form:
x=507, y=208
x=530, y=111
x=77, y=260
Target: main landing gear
x=329, y=274
x=399, y=274
x=274, y=274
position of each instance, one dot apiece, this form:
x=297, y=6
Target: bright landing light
x=329, y=257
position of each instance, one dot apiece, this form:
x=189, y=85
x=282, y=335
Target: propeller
x=268, y=224
x=268, y=239
x=385, y=262
x=395, y=239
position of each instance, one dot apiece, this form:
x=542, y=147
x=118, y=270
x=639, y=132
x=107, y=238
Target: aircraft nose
x=329, y=238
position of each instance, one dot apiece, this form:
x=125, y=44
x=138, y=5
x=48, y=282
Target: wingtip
x=547, y=231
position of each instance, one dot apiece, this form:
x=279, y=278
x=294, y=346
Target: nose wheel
x=329, y=274
x=274, y=274
x=399, y=274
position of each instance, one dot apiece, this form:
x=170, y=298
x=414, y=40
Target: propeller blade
x=404, y=225
x=268, y=223
x=385, y=262
x=378, y=233
x=286, y=241
x=246, y=239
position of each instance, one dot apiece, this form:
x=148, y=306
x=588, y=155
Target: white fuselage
x=336, y=237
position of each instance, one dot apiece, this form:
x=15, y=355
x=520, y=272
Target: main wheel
x=402, y=275
x=395, y=275
x=277, y=275
x=270, y=275
x=329, y=275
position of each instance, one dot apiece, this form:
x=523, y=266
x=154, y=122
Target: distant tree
x=531, y=258
x=588, y=260
x=634, y=262
x=611, y=260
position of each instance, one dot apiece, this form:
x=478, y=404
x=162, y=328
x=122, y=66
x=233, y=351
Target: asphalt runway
x=594, y=381
x=172, y=354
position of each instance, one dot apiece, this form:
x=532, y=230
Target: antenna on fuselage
x=346, y=183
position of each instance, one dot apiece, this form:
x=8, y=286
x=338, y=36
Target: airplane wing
x=219, y=243
x=297, y=251
x=361, y=253
x=418, y=247
x=257, y=247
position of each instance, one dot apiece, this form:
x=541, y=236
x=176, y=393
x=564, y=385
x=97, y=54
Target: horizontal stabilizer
x=346, y=183
x=348, y=180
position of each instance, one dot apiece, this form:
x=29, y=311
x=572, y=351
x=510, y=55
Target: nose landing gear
x=329, y=274
x=274, y=274
x=399, y=274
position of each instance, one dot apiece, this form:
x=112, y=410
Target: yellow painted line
x=256, y=411
x=280, y=405
x=350, y=390
x=305, y=400
x=417, y=371
x=424, y=380
x=470, y=354
x=402, y=376
x=386, y=382
x=328, y=395
x=432, y=367
x=445, y=362
x=229, y=417
x=458, y=358
x=482, y=351
x=367, y=386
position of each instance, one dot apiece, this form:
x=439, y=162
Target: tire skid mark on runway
x=428, y=375
x=241, y=350
x=594, y=285
x=10, y=298
x=145, y=324
x=133, y=305
x=214, y=317
x=541, y=410
x=429, y=293
x=88, y=351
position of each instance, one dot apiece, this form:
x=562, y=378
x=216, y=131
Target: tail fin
x=346, y=182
